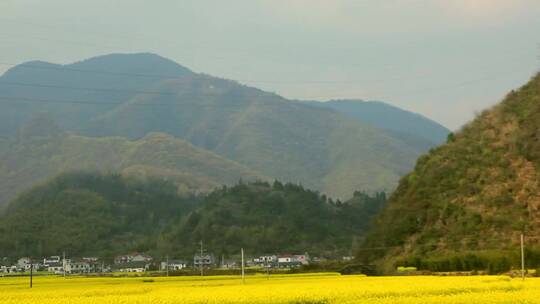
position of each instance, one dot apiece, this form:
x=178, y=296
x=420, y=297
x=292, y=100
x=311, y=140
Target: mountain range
x=333, y=150
x=472, y=197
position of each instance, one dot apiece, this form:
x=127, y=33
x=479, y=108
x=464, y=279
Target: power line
x=162, y=76
x=63, y=68
x=429, y=90
x=165, y=77
x=37, y=85
x=30, y=99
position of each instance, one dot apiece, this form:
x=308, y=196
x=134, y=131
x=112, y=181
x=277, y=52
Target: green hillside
x=287, y=140
x=103, y=215
x=32, y=158
x=89, y=214
x=474, y=195
x=132, y=95
x=276, y=218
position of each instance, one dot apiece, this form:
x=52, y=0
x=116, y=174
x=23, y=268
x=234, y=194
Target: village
x=137, y=262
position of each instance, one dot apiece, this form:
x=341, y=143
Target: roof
x=140, y=264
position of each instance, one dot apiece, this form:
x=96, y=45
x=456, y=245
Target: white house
x=174, y=265
x=133, y=257
x=140, y=266
x=56, y=268
x=51, y=260
x=266, y=259
x=204, y=260
x=288, y=261
x=90, y=259
x=78, y=267
x=24, y=262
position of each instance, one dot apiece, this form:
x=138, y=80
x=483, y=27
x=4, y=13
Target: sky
x=445, y=59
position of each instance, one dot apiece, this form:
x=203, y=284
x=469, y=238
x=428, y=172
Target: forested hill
x=104, y=215
x=42, y=150
x=89, y=213
x=478, y=192
x=277, y=218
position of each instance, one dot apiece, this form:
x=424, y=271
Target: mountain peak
x=147, y=63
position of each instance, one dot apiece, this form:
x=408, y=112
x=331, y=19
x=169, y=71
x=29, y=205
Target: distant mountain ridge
x=388, y=117
x=136, y=94
x=78, y=92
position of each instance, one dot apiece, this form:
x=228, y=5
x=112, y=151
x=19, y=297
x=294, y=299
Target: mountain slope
x=31, y=159
x=89, y=214
x=133, y=95
x=287, y=140
x=75, y=93
x=275, y=218
x=478, y=192
x=388, y=117
x=105, y=215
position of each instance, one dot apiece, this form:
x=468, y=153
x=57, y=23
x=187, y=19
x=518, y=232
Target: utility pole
x=243, y=273
x=522, y=259
x=31, y=273
x=64, y=263
x=167, y=265
x=201, y=260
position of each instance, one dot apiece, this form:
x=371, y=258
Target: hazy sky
x=446, y=59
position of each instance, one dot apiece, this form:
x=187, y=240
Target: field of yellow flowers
x=314, y=288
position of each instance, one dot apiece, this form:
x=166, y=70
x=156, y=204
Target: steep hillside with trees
x=93, y=214
x=474, y=195
x=104, y=215
x=285, y=218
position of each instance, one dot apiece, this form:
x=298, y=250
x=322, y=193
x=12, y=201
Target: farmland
x=307, y=288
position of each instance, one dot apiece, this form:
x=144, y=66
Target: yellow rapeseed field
x=316, y=288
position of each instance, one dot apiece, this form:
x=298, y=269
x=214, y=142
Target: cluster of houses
x=282, y=261
x=53, y=264
x=140, y=262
